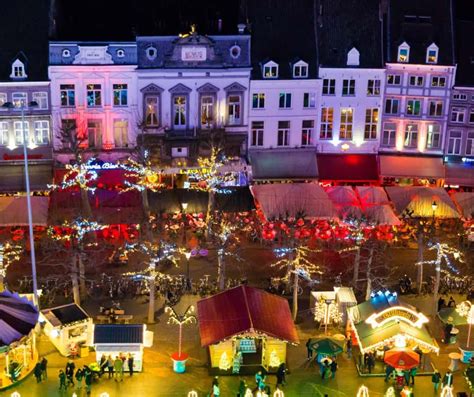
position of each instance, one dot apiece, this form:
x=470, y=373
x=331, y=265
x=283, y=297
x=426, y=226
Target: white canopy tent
x=465, y=202
x=281, y=200
x=346, y=201
x=13, y=211
x=376, y=205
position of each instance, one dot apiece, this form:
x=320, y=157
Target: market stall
x=18, y=317
x=122, y=341
x=245, y=329
x=383, y=323
x=68, y=327
x=330, y=307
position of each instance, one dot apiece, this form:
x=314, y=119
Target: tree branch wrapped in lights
x=9, y=253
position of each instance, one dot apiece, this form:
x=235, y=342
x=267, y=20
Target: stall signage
x=193, y=54
x=395, y=313
x=103, y=166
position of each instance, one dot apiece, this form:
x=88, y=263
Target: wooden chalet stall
x=245, y=329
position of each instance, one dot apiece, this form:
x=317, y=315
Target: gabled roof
x=66, y=314
x=25, y=34
x=243, y=310
x=118, y=334
x=282, y=30
x=345, y=24
x=420, y=23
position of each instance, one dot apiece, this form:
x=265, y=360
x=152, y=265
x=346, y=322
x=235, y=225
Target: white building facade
x=94, y=91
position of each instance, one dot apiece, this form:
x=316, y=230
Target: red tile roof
x=244, y=309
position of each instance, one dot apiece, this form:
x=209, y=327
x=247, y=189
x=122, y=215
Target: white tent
x=418, y=200
x=346, y=201
x=13, y=211
x=281, y=200
x=376, y=205
x=465, y=202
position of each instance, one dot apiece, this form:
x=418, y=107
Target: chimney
x=219, y=25
x=241, y=28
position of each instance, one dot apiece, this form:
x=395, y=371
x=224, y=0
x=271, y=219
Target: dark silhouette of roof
x=344, y=24
x=420, y=23
x=110, y=20
x=282, y=31
x=66, y=314
x=464, y=43
x=118, y=334
x=24, y=34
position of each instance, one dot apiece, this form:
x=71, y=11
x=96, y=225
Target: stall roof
x=465, y=201
x=242, y=310
x=13, y=211
x=170, y=200
x=118, y=334
x=66, y=314
x=284, y=164
x=234, y=199
x=411, y=167
x=348, y=167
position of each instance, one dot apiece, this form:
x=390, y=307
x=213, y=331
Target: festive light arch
x=397, y=313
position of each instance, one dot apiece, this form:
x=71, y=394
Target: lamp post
x=187, y=255
x=23, y=107
x=434, y=206
x=184, y=206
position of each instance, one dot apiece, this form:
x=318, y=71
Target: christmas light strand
x=9, y=253
x=145, y=177
x=78, y=175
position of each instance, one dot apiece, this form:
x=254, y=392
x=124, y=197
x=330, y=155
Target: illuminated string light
x=78, y=175
x=186, y=318
x=145, y=177
x=9, y=253
x=75, y=230
x=443, y=251
x=295, y=260
x=363, y=391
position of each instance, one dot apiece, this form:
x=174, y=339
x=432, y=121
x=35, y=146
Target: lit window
x=373, y=87
x=403, y=52
x=411, y=136
x=67, y=94
x=258, y=100
x=234, y=110
x=345, y=128
x=371, y=121
x=41, y=98
x=327, y=119
x=3, y=100
x=207, y=111
x=21, y=131
x=437, y=81
x=120, y=94
x=151, y=110
x=19, y=99
x=42, y=132
x=18, y=70
x=94, y=95
x=309, y=100
x=432, y=54
x=433, y=137
x=121, y=133
x=94, y=133
x=4, y=133
x=394, y=79
x=270, y=70
x=179, y=111
x=413, y=107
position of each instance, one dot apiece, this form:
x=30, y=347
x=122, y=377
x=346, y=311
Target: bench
x=125, y=318
x=103, y=319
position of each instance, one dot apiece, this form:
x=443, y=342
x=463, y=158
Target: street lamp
x=26, y=139
x=187, y=255
x=434, y=206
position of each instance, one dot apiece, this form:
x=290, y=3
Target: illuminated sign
x=103, y=166
x=397, y=313
x=193, y=54
x=467, y=160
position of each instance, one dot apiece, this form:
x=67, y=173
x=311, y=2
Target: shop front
x=245, y=330
x=341, y=169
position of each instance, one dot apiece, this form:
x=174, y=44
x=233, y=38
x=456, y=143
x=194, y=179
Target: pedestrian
x=216, y=392
x=349, y=346
x=261, y=384
x=436, y=379
x=326, y=369
x=110, y=366
x=37, y=372
x=441, y=303
x=102, y=364
x=452, y=302
x=333, y=367
x=413, y=372
x=448, y=379
x=79, y=376
x=62, y=380
x=44, y=368
x=118, y=369
x=366, y=361
x=447, y=331
x=258, y=378
x=130, y=363
x=388, y=372
x=370, y=362
x=242, y=388
x=309, y=350
x=88, y=380
x=281, y=375
x=406, y=376
x=70, y=367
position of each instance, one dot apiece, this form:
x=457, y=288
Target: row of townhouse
x=298, y=111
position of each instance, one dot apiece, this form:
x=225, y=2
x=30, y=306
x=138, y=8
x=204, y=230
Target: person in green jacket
x=118, y=369
x=62, y=380
x=242, y=387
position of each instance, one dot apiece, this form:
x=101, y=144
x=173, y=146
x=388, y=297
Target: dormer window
x=432, y=54
x=120, y=53
x=18, y=70
x=151, y=53
x=235, y=51
x=353, y=57
x=300, y=70
x=66, y=53
x=403, y=52
x=270, y=70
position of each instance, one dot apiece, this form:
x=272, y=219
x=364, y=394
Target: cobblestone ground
x=158, y=379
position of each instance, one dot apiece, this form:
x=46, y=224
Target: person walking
x=333, y=367
x=413, y=372
x=436, y=379
x=448, y=379
x=88, y=380
x=102, y=364
x=215, y=391
x=349, y=346
x=118, y=369
x=130, y=363
x=388, y=372
x=258, y=378
x=242, y=388
x=37, y=372
x=110, y=366
x=79, y=376
x=70, y=367
x=44, y=368
x=281, y=375
x=309, y=351
x=370, y=362
x=62, y=380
